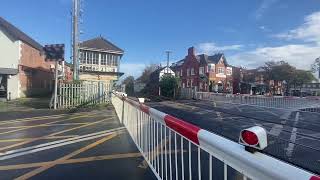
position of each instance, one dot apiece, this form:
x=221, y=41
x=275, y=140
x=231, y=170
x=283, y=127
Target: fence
x=175, y=149
x=187, y=93
x=307, y=104
x=85, y=93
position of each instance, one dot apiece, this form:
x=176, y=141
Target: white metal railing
x=308, y=104
x=85, y=93
x=175, y=149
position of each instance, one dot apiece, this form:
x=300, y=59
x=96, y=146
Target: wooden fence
x=85, y=93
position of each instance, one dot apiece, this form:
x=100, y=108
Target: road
x=293, y=136
x=84, y=144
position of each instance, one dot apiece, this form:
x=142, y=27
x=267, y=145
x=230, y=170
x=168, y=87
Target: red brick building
x=23, y=68
x=203, y=72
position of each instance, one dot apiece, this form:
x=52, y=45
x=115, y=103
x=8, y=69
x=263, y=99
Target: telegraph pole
x=75, y=38
x=168, y=58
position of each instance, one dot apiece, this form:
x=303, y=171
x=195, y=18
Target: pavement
x=293, y=136
x=82, y=144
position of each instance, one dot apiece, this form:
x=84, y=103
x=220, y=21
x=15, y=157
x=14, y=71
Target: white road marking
x=293, y=136
x=276, y=129
x=218, y=113
x=286, y=115
x=45, y=146
x=238, y=108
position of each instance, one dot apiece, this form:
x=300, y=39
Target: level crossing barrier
x=175, y=149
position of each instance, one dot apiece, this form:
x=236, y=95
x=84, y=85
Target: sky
x=248, y=32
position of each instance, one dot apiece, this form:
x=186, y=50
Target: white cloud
x=264, y=6
x=211, y=48
x=132, y=69
x=309, y=31
x=298, y=55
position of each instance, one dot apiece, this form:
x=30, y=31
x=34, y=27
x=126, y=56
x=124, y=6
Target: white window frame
x=192, y=72
x=221, y=70
x=201, y=70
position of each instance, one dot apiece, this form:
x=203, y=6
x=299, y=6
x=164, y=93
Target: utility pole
x=75, y=38
x=168, y=58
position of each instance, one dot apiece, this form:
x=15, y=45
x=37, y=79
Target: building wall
x=202, y=84
x=94, y=77
x=190, y=62
x=35, y=75
x=9, y=58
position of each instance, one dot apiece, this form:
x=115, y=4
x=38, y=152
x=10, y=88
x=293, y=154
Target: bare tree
x=145, y=76
x=315, y=67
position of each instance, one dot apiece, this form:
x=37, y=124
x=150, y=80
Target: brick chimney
x=191, y=51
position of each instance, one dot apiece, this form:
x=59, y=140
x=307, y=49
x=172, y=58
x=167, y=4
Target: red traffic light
x=249, y=137
x=254, y=137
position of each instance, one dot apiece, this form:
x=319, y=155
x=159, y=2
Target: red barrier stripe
x=144, y=108
x=188, y=130
x=315, y=178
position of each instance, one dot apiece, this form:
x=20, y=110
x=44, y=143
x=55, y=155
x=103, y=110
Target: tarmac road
x=87, y=144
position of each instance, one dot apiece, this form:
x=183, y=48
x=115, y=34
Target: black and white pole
x=55, y=85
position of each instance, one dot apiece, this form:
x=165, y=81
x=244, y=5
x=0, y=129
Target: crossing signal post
x=55, y=53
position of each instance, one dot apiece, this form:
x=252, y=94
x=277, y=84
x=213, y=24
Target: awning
x=8, y=71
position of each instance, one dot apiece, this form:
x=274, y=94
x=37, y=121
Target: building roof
x=204, y=58
x=8, y=71
x=100, y=43
x=18, y=34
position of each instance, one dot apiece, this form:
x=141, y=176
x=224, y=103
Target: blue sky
x=249, y=32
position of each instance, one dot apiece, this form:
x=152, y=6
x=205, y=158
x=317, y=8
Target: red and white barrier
x=252, y=165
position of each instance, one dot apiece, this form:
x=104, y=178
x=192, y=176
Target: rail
x=175, y=149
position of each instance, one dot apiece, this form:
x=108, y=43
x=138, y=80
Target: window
x=188, y=84
x=90, y=58
x=229, y=72
x=192, y=71
x=220, y=70
x=188, y=72
x=211, y=68
x=181, y=72
x=83, y=57
x=201, y=70
x=114, y=60
x=177, y=73
x=103, y=59
x=95, y=59
x=191, y=82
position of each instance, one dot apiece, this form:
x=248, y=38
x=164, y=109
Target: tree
x=145, y=76
x=129, y=85
x=168, y=85
x=315, y=67
x=301, y=77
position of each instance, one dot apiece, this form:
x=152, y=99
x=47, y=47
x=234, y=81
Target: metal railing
x=286, y=102
x=175, y=149
x=85, y=93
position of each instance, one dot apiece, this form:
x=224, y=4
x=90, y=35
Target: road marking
x=276, y=129
x=286, y=115
x=218, y=113
x=238, y=108
x=38, y=138
x=293, y=136
x=53, y=163
x=44, y=125
x=63, y=140
x=71, y=161
x=37, y=118
x=40, y=125
x=46, y=146
x=53, y=134
x=67, y=130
